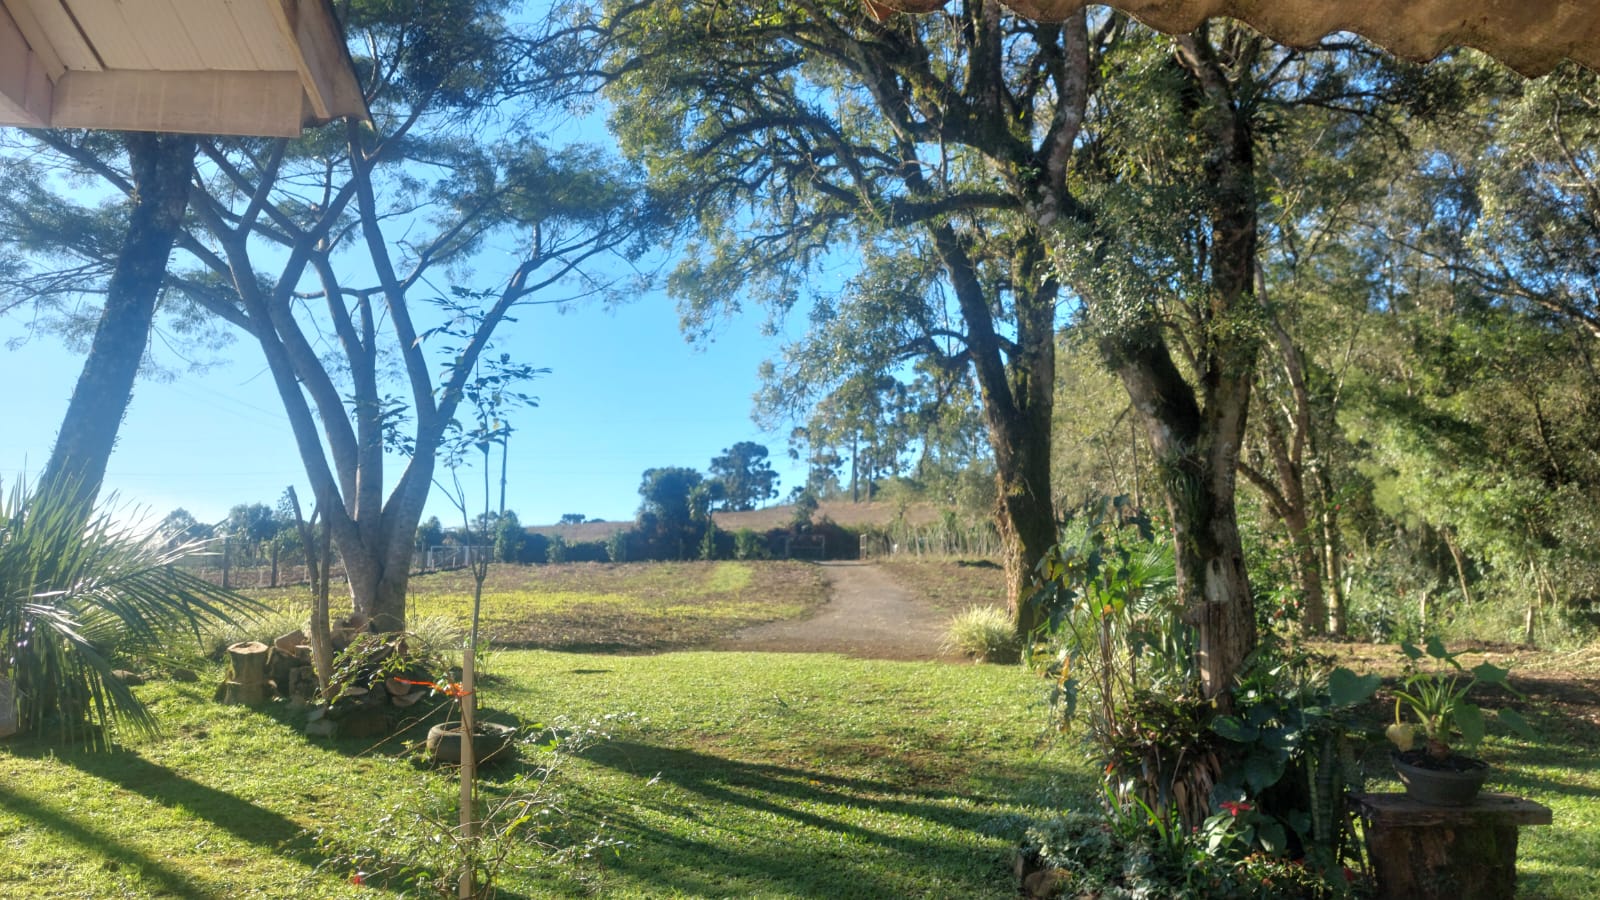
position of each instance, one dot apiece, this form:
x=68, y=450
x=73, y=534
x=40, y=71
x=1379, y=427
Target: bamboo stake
x=468, y=770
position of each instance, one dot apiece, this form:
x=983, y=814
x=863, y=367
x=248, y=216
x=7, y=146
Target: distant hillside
x=850, y=515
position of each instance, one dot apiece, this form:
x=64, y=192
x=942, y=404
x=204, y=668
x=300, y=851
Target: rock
x=303, y=684
x=322, y=728
x=187, y=676
x=131, y=679
x=408, y=700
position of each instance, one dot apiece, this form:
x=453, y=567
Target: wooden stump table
x=1425, y=852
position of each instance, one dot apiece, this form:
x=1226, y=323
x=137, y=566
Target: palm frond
x=77, y=588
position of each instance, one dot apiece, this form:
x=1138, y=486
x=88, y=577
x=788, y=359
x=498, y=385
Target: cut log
x=303, y=685
x=248, y=670
x=1424, y=852
x=293, y=644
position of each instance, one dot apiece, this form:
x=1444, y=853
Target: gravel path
x=868, y=615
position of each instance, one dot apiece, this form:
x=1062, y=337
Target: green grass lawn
x=744, y=775
x=730, y=775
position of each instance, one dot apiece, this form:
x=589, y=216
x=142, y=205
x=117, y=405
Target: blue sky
x=625, y=393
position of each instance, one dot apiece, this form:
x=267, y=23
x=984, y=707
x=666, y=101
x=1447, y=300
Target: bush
x=556, y=552
x=748, y=545
x=535, y=549
x=617, y=546
x=588, y=552
x=984, y=633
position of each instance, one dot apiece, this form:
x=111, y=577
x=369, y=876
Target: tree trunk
x=1195, y=456
x=1332, y=554
x=163, y=166
x=1196, y=431
x=1018, y=391
x=1026, y=520
x=378, y=583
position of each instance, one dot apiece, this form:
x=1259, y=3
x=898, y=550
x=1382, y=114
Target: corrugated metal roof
x=265, y=67
x=1531, y=36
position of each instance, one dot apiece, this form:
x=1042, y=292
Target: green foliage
x=556, y=550
x=790, y=141
x=77, y=590
x=747, y=544
x=617, y=546
x=1119, y=647
x=372, y=658
x=419, y=846
x=985, y=633
x=950, y=537
x=1288, y=759
x=675, y=515
x=430, y=533
x=1131, y=854
x=1438, y=699
x=509, y=538
x=264, y=626
x=180, y=528
x=746, y=477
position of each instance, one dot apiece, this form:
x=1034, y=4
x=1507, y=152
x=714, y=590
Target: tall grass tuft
x=984, y=633
x=217, y=636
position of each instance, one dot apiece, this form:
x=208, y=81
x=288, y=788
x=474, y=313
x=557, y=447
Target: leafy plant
x=78, y=587
x=748, y=545
x=1438, y=699
x=420, y=847
x=556, y=550
x=617, y=546
x=1288, y=761
x=372, y=658
x=984, y=633
x=1123, y=650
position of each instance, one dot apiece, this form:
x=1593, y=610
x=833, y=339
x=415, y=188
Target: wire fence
x=937, y=539
x=219, y=568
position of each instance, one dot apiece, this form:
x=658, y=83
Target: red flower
x=1235, y=808
x=358, y=879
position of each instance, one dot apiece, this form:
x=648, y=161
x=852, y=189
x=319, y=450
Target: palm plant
x=76, y=588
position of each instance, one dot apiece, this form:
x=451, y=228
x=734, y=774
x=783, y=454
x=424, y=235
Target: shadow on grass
x=222, y=810
x=697, y=852
x=104, y=843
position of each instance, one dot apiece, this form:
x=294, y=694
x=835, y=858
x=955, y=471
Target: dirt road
x=867, y=615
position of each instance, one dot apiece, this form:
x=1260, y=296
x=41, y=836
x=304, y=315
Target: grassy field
x=726, y=774
x=594, y=607
x=743, y=775
x=842, y=512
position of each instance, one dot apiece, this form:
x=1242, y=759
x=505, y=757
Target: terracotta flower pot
x=1454, y=781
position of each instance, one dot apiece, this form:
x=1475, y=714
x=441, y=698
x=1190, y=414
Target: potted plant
x=1432, y=770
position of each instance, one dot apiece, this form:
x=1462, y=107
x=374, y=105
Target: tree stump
x=1424, y=852
x=248, y=670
